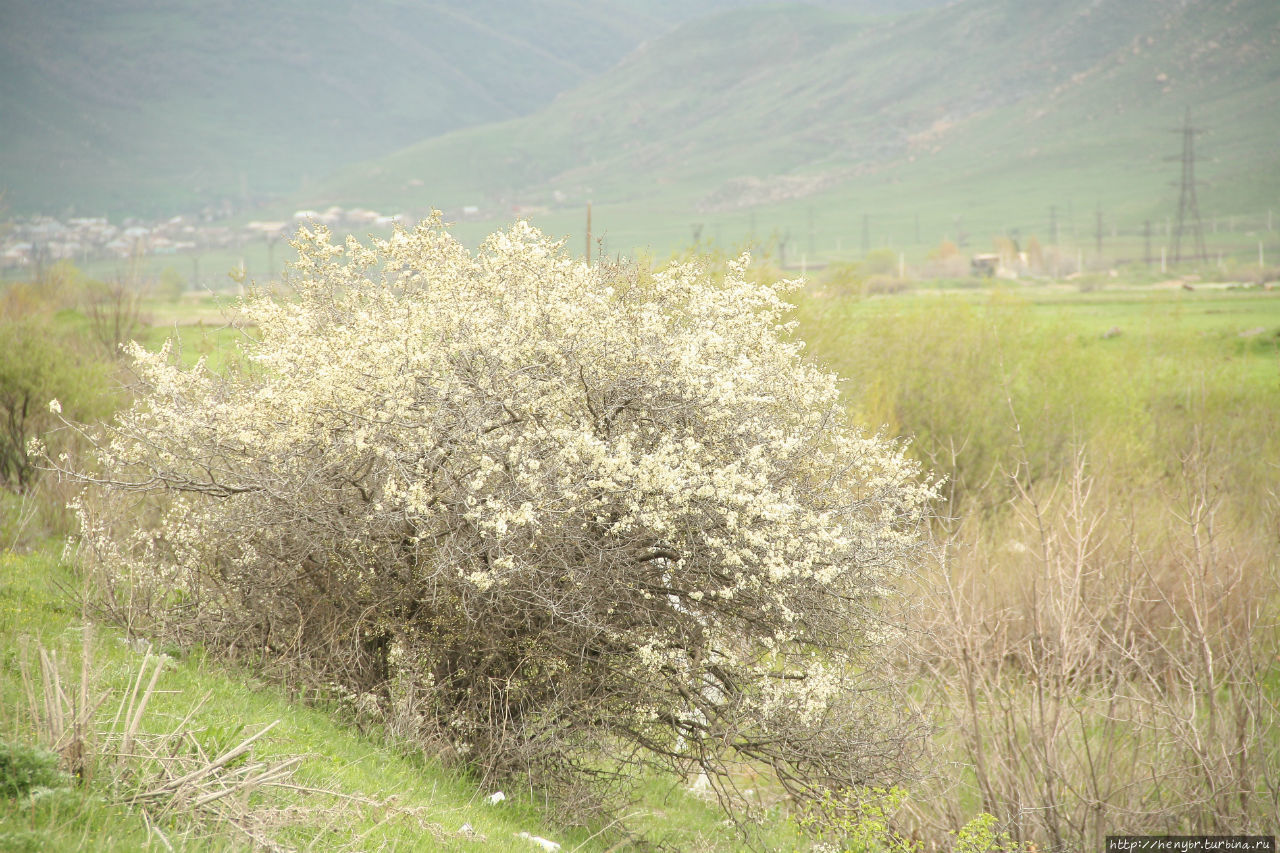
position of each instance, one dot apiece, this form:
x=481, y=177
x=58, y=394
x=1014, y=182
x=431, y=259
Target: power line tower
x=1188, y=209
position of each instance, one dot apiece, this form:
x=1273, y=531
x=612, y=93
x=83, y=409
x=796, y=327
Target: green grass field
x=987, y=378
x=353, y=790
x=1129, y=372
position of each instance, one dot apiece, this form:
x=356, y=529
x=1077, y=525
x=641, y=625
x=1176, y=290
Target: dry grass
x=167, y=773
x=1105, y=661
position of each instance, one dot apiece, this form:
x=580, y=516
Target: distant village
x=29, y=243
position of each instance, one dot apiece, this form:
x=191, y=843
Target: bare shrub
x=946, y=261
x=885, y=285
x=1103, y=659
x=568, y=520
x=115, y=312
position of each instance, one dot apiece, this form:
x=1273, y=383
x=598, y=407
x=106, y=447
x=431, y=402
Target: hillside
x=138, y=107
x=977, y=116
x=354, y=788
x=142, y=107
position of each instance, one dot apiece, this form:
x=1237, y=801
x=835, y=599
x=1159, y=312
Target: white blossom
x=577, y=494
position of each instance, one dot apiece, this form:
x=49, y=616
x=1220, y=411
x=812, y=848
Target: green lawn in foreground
x=384, y=798
x=404, y=802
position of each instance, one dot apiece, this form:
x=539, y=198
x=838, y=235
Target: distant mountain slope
x=154, y=106
x=140, y=106
x=1031, y=102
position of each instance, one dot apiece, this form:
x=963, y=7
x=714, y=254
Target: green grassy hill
x=140, y=107
x=353, y=788
x=975, y=117
x=136, y=107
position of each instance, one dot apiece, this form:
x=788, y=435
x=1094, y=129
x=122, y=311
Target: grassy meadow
x=1097, y=636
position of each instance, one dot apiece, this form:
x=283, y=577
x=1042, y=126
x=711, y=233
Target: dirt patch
x=750, y=191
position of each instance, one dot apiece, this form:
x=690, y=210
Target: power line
x=1188, y=208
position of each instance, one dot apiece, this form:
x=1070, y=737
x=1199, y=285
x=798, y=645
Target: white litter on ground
x=544, y=843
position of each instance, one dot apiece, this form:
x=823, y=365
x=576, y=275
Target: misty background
x=816, y=128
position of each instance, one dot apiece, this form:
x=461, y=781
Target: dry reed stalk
x=159, y=774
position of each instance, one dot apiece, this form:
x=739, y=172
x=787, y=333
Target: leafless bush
x=1106, y=664
x=114, y=309
x=885, y=285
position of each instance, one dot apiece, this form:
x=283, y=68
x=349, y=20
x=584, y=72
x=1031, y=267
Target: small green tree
x=40, y=363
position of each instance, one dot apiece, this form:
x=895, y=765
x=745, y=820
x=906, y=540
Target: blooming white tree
x=540, y=510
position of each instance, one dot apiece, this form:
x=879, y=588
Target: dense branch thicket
x=544, y=512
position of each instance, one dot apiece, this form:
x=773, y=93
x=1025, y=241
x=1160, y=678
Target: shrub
x=567, y=520
x=1105, y=655
x=114, y=311
x=40, y=362
x=883, y=262
x=24, y=768
x=874, y=275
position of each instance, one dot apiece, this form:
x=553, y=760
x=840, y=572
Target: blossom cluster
x=592, y=493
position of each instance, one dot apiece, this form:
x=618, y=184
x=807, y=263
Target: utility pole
x=1188, y=208
x=1097, y=234
x=37, y=261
